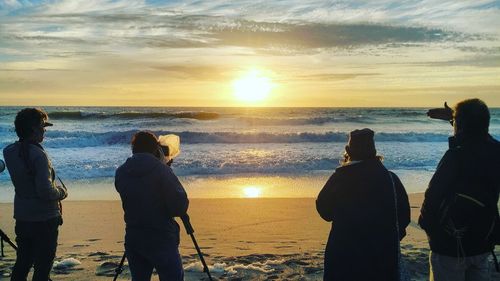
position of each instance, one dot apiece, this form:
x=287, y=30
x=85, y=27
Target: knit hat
x=361, y=144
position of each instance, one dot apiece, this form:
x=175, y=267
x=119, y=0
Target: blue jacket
x=151, y=196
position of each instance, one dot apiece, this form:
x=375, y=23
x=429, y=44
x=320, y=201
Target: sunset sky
x=190, y=53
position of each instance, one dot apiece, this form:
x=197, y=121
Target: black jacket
x=469, y=167
x=359, y=200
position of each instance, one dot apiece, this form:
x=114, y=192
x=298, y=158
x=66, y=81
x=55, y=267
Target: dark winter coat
x=469, y=167
x=151, y=197
x=359, y=201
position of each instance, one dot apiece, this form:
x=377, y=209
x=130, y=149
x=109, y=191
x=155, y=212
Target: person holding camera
x=151, y=197
x=37, y=208
x=460, y=211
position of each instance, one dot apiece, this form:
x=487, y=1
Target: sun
x=252, y=191
x=253, y=87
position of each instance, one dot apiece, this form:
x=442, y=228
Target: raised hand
x=442, y=113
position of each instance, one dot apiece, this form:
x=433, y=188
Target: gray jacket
x=36, y=194
x=151, y=196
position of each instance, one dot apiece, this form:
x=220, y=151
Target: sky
x=375, y=53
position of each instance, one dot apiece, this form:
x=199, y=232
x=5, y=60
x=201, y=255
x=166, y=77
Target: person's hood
x=140, y=164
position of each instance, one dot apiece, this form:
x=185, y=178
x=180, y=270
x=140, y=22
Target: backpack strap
x=402, y=274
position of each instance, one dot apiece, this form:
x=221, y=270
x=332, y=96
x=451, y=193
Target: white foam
x=263, y=267
x=66, y=263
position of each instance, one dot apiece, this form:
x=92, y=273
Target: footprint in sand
x=311, y=270
x=93, y=239
x=102, y=256
x=98, y=254
x=108, y=269
x=282, y=247
x=297, y=262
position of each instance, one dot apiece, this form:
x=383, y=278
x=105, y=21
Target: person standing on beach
x=369, y=210
x=460, y=205
x=37, y=197
x=151, y=197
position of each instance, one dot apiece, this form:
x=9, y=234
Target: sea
x=235, y=152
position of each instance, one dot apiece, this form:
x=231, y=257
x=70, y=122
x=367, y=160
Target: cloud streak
x=173, y=31
x=142, y=46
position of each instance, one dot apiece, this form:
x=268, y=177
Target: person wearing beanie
x=369, y=210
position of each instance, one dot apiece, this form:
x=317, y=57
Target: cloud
x=329, y=77
x=317, y=35
x=269, y=28
x=9, y=4
x=89, y=6
x=197, y=72
x=181, y=31
x=488, y=61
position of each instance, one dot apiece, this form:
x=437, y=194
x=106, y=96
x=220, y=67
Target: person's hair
x=144, y=142
x=472, y=117
x=346, y=159
x=26, y=119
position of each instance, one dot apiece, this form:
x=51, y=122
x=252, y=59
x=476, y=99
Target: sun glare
x=252, y=87
x=252, y=191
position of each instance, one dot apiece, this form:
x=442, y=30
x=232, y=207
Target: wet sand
x=243, y=239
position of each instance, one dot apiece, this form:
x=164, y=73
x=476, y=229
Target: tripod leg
x=200, y=254
x=119, y=269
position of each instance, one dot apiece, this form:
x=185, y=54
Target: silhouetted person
x=37, y=197
x=460, y=203
x=151, y=197
x=360, y=201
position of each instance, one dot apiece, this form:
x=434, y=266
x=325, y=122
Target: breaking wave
x=82, y=115
x=92, y=139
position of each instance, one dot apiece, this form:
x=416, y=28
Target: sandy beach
x=243, y=239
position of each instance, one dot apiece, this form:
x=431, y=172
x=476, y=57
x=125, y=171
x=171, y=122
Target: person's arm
x=325, y=204
x=45, y=187
x=441, y=113
x=175, y=194
x=438, y=188
x=404, y=215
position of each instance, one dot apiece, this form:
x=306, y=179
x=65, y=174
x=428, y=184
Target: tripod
x=190, y=231
x=4, y=237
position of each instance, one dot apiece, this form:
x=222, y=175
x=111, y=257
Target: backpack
x=469, y=213
x=470, y=217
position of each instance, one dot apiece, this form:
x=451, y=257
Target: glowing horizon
x=314, y=54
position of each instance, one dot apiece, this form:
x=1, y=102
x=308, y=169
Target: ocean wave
x=83, y=115
x=297, y=121
x=83, y=168
x=89, y=139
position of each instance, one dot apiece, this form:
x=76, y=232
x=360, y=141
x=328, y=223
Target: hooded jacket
x=151, y=195
x=37, y=195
